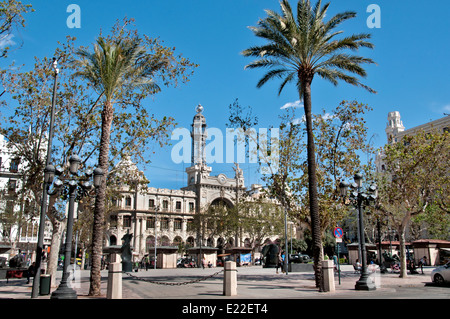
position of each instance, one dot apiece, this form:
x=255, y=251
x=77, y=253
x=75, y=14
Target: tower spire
x=393, y=126
x=199, y=135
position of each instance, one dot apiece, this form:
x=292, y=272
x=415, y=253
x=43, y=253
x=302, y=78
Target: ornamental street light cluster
x=358, y=198
x=77, y=187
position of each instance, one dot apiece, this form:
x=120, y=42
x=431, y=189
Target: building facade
x=395, y=131
x=167, y=215
x=18, y=231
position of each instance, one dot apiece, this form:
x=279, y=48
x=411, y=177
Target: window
x=14, y=165
x=190, y=225
x=165, y=205
x=191, y=207
x=178, y=206
x=164, y=223
x=128, y=201
x=126, y=221
x=150, y=222
x=177, y=224
x=12, y=185
x=113, y=220
x=151, y=203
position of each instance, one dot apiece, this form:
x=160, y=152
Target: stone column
x=328, y=276
x=142, y=238
x=114, y=288
x=230, y=279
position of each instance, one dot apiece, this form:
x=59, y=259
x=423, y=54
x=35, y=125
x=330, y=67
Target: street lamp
x=45, y=186
x=77, y=187
x=156, y=234
x=358, y=198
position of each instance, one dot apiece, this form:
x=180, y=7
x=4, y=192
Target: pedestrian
x=358, y=265
x=279, y=262
x=422, y=262
x=31, y=272
x=147, y=263
x=203, y=262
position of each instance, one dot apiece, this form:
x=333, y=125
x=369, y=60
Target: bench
x=15, y=273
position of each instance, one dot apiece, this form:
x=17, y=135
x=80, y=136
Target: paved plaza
x=254, y=283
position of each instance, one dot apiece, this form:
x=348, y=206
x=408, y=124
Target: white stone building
x=13, y=199
x=169, y=213
x=395, y=131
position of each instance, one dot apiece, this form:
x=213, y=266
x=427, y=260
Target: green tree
x=78, y=121
x=341, y=139
x=11, y=17
x=122, y=69
x=259, y=218
x=299, y=48
x=416, y=177
x=434, y=222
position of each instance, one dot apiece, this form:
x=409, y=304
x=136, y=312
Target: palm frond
x=116, y=64
x=305, y=44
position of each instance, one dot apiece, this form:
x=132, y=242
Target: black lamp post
x=76, y=187
x=358, y=198
x=40, y=243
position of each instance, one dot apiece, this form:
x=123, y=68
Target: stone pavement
x=254, y=283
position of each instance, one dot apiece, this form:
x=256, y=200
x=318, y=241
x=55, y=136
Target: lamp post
x=286, y=254
x=156, y=234
x=76, y=187
x=358, y=198
x=40, y=243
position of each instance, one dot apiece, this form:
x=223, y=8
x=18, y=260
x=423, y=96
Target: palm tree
x=299, y=48
x=115, y=68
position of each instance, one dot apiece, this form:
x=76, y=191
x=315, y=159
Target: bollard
x=328, y=276
x=230, y=279
x=114, y=289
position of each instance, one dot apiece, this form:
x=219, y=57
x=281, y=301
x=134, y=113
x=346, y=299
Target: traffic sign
x=338, y=232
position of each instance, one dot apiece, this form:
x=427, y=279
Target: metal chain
x=173, y=283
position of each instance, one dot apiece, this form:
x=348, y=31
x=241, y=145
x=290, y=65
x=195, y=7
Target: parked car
x=441, y=274
x=186, y=263
x=299, y=258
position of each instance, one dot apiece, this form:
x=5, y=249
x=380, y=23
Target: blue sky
x=411, y=50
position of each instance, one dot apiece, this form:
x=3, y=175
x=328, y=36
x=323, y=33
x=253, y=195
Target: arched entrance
x=222, y=201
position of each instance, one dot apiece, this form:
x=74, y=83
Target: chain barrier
x=173, y=283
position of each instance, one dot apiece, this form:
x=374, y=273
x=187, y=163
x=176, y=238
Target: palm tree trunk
x=312, y=187
x=99, y=209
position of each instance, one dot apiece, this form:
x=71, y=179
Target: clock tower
x=209, y=189
x=198, y=170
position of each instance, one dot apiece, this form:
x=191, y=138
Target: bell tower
x=199, y=135
x=198, y=169
x=394, y=126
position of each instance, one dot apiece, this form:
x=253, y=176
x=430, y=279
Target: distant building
x=395, y=131
x=169, y=213
x=21, y=235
